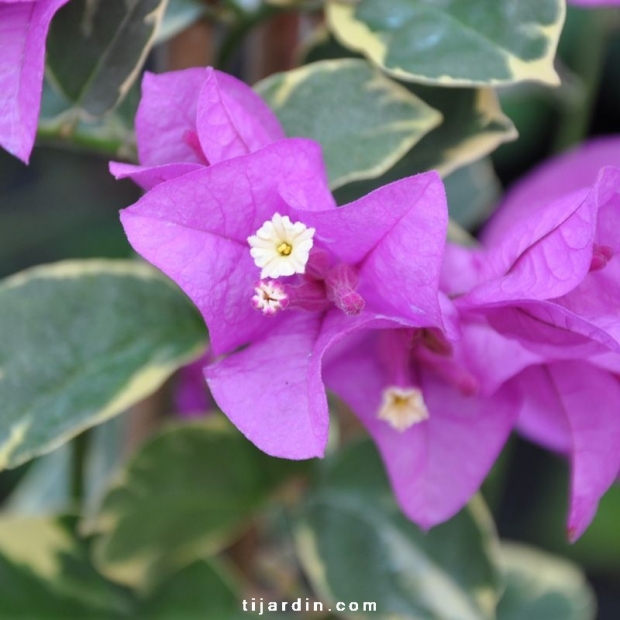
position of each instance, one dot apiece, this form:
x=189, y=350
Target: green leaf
x=45, y=488
x=201, y=590
x=45, y=574
x=454, y=42
x=184, y=496
x=356, y=545
x=364, y=121
x=81, y=341
x=598, y=549
x=540, y=586
x=95, y=49
x=473, y=192
x=105, y=456
x=536, y=112
x=473, y=126
x=179, y=15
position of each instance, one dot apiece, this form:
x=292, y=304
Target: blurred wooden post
x=192, y=47
x=275, y=42
x=144, y=418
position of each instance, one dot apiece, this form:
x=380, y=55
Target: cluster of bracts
x=441, y=350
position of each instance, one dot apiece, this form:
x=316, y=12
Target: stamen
x=281, y=247
x=403, y=407
x=285, y=249
x=450, y=371
x=270, y=297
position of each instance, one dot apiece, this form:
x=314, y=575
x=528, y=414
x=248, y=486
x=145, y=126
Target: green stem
x=587, y=64
x=80, y=449
x=110, y=148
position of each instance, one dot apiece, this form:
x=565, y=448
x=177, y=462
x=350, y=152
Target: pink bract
x=594, y=3
x=548, y=276
x=195, y=228
x=194, y=118
x=437, y=465
x=217, y=169
x=23, y=30
x=191, y=397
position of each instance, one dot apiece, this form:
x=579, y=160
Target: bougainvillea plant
x=309, y=385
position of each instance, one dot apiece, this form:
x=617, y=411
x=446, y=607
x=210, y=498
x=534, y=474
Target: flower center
x=270, y=297
x=403, y=407
x=281, y=247
x=285, y=249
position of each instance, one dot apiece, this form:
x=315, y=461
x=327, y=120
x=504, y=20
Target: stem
x=109, y=148
x=80, y=449
x=587, y=64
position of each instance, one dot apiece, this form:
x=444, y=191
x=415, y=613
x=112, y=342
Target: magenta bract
x=435, y=466
x=191, y=397
x=220, y=174
x=194, y=118
x=547, y=276
x=571, y=406
x=594, y=3
x=551, y=278
x=385, y=249
x=23, y=30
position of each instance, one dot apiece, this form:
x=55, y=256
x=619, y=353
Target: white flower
x=281, y=247
x=270, y=297
x=403, y=407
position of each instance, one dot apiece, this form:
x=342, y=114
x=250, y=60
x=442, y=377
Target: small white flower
x=281, y=247
x=403, y=407
x=270, y=297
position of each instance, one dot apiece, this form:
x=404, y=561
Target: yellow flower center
x=281, y=247
x=285, y=249
x=402, y=408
